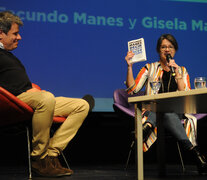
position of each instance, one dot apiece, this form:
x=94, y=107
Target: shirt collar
x=1, y=46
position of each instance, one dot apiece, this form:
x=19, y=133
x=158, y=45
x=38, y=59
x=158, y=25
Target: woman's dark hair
x=170, y=38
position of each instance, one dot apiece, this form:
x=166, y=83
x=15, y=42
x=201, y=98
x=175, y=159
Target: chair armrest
x=58, y=119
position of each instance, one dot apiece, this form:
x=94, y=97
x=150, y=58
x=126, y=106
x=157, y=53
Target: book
x=137, y=46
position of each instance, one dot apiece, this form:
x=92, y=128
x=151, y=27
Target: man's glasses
x=164, y=48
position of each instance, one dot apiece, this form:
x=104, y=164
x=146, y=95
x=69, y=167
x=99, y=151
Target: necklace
x=168, y=86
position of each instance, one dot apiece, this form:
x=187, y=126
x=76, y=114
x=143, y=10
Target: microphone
x=168, y=57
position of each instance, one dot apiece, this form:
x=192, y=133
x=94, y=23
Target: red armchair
x=14, y=111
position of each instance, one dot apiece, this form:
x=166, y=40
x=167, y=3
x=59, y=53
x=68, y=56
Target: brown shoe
x=44, y=167
x=56, y=163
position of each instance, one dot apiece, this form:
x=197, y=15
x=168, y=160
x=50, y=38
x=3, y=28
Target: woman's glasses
x=164, y=48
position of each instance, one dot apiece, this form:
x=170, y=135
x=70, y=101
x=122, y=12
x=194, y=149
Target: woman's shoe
x=147, y=130
x=200, y=160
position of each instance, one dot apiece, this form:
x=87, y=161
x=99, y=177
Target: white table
x=193, y=101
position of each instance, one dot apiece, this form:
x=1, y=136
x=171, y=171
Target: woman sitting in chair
x=172, y=78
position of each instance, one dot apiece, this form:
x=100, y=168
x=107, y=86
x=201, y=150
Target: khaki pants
x=46, y=106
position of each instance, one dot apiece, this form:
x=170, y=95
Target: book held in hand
x=138, y=48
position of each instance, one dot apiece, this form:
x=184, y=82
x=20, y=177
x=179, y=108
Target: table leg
x=139, y=142
x=160, y=145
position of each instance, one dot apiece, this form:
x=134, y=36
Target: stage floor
x=106, y=172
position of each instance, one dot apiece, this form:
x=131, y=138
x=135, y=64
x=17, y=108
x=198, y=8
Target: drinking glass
x=155, y=85
x=200, y=82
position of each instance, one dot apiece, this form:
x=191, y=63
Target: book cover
x=138, y=48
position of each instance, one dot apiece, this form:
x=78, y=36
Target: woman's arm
x=130, y=77
x=134, y=85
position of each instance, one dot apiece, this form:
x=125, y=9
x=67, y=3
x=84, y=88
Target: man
x=13, y=77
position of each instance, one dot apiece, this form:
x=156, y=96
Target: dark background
x=104, y=138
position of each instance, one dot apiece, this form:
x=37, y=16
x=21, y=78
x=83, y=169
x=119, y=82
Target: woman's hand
x=178, y=76
x=129, y=55
x=173, y=64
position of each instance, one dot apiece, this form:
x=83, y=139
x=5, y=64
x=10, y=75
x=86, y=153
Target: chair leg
x=181, y=158
x=66, y=162
x=29, y=157
x=129, y=155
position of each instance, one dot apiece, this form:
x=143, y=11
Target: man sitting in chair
x=13, y=77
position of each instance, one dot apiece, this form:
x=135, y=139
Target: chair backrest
x=13, y=110
x=121, y=101
x=35, y=86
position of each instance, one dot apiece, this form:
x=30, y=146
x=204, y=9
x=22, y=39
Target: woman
x=176, y=81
